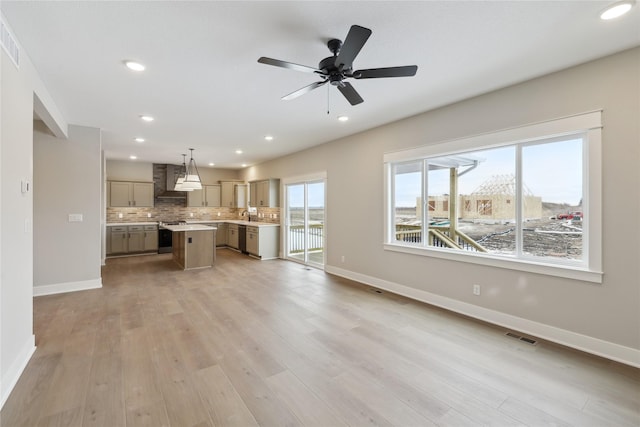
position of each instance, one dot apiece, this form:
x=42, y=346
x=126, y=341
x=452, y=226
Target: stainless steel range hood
x=165, y=176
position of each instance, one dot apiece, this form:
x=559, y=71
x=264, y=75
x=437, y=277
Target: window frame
x=588, y=124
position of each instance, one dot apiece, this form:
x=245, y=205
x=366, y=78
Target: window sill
x=564, y=271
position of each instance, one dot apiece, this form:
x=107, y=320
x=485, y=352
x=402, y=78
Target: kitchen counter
x=234, y=221
x=115, y=224
x=188, y=227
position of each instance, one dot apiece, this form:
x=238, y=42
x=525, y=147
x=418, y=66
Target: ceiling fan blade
x=356, y=38
x=350, y=93
x=304, y=90
x=375, y=73
x=289, y=65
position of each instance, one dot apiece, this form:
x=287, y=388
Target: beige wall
x=18, y=88
x=607, y=311
x=66, y=181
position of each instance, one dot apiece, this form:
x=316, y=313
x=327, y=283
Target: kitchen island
x=193, y=245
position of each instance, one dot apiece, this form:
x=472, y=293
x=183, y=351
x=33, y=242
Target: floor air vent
x=9, y=44
x=521, y=338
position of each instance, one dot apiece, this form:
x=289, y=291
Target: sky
x=552, y=171
x=295, y=195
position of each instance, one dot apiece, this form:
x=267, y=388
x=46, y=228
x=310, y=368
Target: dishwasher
x=242, y=238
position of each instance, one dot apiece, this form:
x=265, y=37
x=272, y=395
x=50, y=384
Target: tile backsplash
x=175, y=209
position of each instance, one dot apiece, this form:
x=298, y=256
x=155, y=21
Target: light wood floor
x=273, y=343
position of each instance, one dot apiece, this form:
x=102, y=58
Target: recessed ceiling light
x=132, y=157
x=133, y=65
x=617, y=9
x=147, y=118
x=212, y=164
x=139, y=139
x=244, y=165
x=238, y=151
x=268, y=138
x=343, y=118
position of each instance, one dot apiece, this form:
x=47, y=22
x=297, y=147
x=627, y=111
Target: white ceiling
x=205, y=88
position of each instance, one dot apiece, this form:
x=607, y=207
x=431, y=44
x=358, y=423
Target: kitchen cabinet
x=221, y=234
x=233, y=238
x=122, y=239
x=150, y=238
x=209, y=196
x=264, y=193
x=136, y=238
x=118, y=240
x=233, y=194
x=130, y=194
x=263, y=242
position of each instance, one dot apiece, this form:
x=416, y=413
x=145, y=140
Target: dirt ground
x=543, y=237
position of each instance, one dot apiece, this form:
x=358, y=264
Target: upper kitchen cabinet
x=209, y=196
x=233, y=194
x=130, y=194
x=265, y=193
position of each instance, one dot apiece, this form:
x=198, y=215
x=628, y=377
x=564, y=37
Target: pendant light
x=182, y=175
x=192, y=180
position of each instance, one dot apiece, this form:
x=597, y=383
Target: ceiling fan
x=335, y=69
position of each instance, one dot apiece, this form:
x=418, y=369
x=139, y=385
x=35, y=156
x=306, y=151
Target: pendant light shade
x=182, y=175
x=192, y=178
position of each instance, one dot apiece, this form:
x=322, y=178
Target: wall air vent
x=9, y=43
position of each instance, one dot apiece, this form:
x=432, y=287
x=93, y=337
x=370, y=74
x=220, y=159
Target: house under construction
x=492, y=200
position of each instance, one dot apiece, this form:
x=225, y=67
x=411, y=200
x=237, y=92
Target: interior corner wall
x=18, y=89
x=67, y=181
x=16, y=248
x=604, y=315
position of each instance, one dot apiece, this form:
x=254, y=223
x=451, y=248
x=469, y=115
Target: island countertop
x=189, y=227
x=233, y=221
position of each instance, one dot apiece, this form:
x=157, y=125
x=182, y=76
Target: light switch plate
x=75, y=217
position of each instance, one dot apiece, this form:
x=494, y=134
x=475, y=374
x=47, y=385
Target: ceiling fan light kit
x=339, y=67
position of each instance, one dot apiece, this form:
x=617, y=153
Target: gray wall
x=67, y=180
x=607, y=311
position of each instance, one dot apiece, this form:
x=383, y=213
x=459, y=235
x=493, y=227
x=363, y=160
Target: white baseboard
x=606, y=349
x=10, y=379
x=59, y=288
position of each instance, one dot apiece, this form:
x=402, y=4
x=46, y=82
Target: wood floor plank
x=104, y=403
x=224, y=404
x=311, y=410
x=274, y=343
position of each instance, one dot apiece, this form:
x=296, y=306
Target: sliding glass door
x=305, y=222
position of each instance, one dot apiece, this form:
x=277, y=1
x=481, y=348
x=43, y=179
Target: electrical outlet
x=149, y=215
x=342, y=258
x=191, y=214
x=120, y=215
x=476, y=289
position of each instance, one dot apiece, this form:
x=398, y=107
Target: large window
x=524, y=198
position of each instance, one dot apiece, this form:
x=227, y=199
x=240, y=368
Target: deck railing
x=438, y=236
x=296, y=238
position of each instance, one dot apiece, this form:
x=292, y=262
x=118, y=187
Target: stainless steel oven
x=165, y=237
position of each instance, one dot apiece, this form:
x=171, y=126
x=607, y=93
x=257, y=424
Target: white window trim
x=590, y=123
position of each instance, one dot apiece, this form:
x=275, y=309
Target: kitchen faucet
x=248, y=214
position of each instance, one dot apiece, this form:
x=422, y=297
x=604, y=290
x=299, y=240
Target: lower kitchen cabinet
x=263, y=242
x=233, y=238
x=150, y=238
x=122, y=239
x=221, y=234
x=136, y=238
x=119, y=240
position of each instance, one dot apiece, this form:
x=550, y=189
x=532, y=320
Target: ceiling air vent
x=9, y=44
